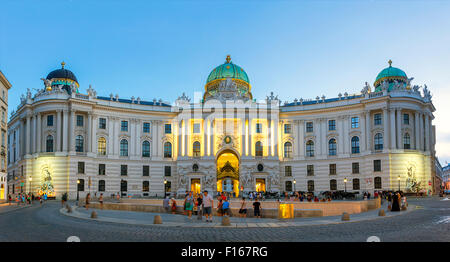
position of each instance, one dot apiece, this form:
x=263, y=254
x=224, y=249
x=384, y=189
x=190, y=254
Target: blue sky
x=159, y=49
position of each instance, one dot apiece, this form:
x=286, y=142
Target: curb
x=76, y=214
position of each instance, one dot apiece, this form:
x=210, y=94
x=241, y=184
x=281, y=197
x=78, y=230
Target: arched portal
x=228, y=172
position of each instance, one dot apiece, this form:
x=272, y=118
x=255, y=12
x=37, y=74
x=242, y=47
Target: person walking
x=226, y=208
x=199, y=206
x=9, y=199
x=243, y=209
x=88, y=199
x=189, y=204
x=166, y=204
x=208, y=202
x=174, y=206
x=257, y=208
x=395, y=203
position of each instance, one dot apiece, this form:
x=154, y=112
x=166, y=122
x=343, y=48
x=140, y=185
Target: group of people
x=202, y=204
x=297, y=196
x=396, y=201
x=23, y=198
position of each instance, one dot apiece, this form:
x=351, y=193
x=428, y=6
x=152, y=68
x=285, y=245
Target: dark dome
x=62, y=74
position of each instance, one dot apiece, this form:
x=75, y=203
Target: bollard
x=345, y=216
x=381, y=213
x=226, y=221
x=94, y=214
x=157, y=219
x=69, y=209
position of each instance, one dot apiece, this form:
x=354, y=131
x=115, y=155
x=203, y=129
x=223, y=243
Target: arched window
x=310, y=185
x=101, y=146
x=332, y=147
x=79, y=144
x=258, y=149
x=406, y=141
x=196, y=149
x=288, y=187
x=288, y=150
x=101, y=186
x=378, y=141
x=333, y=184
x=167, y=150
x=123, y=147
x=49, y=145
x=355, y=183
x=355, y=145
x=310, y=148
x=145, y=149
x=377, y=183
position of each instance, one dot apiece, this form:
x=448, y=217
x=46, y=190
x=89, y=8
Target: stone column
x=323, y=129
x=363, y=132
x=346, y=140
x=58, y=130
x=154, y=139
x=138, y=131
x=160, y=132
x=399, y=129
x=421, y=132
x=393, y=129
x=295, y=147
x=72, y=131
x=369, y=137
x=38, y=131
x=66, y=131
x=417, y=134
x=301, y=138
x=111, y=135
x=116, y=136
x=212, y=137
x=207, y=141
x=89, y=133
x=187, y=132
x=427, y=133
x=132, y=145
x=34, y=134
x=340, y=129
x=386, y=138
x=94, y=133
x=317, y=133
x=28, y=133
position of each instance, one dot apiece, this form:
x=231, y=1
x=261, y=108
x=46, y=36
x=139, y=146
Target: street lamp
x=345, y=184
x=398, y=178
x=165, y=182
x=294, y=184
x=30, y=179
x=78, y=187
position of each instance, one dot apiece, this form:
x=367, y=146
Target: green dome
x=390, y=73
x=228, y=69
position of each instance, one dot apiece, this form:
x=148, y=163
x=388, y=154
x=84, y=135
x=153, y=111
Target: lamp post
x=345, y=185
x=398, y=178
x=294, y=185
x=78, y=187
x=30, y=179
x=165, y=182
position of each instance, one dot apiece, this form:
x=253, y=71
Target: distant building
x=446, y=176
x=5, y=85
x=381, y=138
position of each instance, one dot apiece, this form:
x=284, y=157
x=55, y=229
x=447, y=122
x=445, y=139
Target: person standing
x=88, y=199
x=100, y=200
x=208, y=202
x=199, y=207
x=226, y=208
x=395, y=203
x=166, y=204
x=219, y=206
x=243, y=209
x=174, y=206
x=189, y=204
x=257, y=208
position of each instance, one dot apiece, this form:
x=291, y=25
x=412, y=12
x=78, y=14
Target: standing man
x=208, y=202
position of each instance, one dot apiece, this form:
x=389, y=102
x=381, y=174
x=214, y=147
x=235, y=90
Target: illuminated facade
x=5, y=85
x=379, y=139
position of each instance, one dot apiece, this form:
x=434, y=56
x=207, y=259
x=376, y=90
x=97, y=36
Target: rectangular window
x=145, y=186
x=310, y=170
x=123, y=170
x=406, y=119
x=288, y=170
x=196, y=128
x=102, y=169
x=287, y=128
x=50, y=120
x=331, y=125
x=332, y=169
x=309, y=127
x=258, y=128
x=355, y=122
x=124, y=126
x=102, y=123
x=377, y=165
x=80, y=120
x=145, y=170
x=80, y=167
x=355, y=168
x=168, y=128
x=377, y=119
x=146, y=127
x=167, y=171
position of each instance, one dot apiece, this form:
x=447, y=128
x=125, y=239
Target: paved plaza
x=428, y=221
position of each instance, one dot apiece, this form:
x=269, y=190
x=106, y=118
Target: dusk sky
x=297, y=49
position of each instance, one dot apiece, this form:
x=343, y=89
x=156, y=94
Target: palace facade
x=63, y=140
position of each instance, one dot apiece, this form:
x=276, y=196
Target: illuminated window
x=310, y=185
x=167, y=150
x=145, y=186
x=49, y=145
x=258, y=149
x=333, y=184
x=123, y=147
x=310, y=148
x=332, y=147
x=379, y=141
x=406, y=141
x=79, y=143
x=355, y=145
x=288, y=150
x=196, y=149
x=145, y=149
x=101, y=146
x=355, y=184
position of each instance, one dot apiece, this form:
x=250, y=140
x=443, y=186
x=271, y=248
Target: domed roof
x=228, y=69
x=390, y=73
x=62, y=74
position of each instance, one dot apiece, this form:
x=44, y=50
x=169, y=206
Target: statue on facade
x=408, y=81
x=274, y=179
x=366, y=89
x=384, y=85
x=416, y=89
x=181, y=180
x=426, y=93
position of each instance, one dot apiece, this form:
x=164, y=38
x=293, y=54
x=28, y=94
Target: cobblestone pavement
x=431, y=222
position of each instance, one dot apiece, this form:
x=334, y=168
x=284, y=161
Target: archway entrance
x=228, y=172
